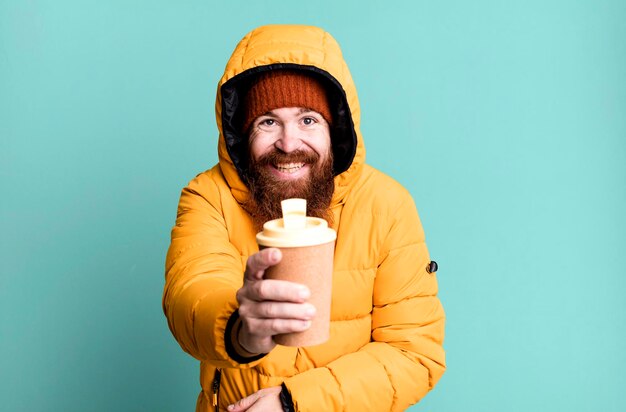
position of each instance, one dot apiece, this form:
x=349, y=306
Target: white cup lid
x=295, y=229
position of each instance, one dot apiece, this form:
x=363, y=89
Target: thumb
x=259, y=262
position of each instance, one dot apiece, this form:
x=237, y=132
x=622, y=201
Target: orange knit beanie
x=284, y=88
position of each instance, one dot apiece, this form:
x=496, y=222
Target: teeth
x=289, y=167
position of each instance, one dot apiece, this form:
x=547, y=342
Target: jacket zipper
x=216, y=388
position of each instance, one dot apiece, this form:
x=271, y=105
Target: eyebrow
x=301, y=111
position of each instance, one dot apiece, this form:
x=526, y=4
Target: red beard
x=267, y=191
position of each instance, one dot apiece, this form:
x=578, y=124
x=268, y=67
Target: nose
x=289, y=140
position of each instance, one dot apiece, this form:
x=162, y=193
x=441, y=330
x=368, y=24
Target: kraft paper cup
x=307, y=245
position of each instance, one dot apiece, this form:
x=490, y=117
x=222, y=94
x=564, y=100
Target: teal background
x=505, y=120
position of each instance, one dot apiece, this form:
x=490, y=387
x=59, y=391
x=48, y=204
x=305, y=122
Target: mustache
x=298, y=156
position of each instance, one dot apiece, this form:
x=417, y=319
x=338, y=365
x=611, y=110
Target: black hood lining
x=342, y=133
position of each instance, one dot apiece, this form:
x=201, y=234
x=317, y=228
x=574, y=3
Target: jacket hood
x=293, y=47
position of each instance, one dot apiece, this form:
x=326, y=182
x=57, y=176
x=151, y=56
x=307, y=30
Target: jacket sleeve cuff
x=231, y=341
x=285, y=399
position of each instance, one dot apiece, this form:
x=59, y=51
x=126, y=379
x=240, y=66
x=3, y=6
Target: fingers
x=269, y=401
x=243, y=404
x=271, y=327
x=264, y=400
x=270, y=310
x=260, y=261
x=256, y=335
x=276, y=290
x=263, y=319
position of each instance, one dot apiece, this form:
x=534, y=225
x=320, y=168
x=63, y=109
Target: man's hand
x=268, y=307
x=267, y=399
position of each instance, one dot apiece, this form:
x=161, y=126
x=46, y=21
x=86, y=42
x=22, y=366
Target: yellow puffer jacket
x=385, y=349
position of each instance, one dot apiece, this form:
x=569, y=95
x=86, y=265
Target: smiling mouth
x=289, y=167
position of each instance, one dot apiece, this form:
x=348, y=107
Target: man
x=288, y=116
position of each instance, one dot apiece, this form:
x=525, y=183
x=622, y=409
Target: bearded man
x=289, y=117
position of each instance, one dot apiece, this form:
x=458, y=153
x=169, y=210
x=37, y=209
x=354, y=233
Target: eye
x=309, y=120
x=266, y=122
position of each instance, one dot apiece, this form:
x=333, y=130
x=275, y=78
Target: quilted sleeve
x=405, y=357
x=203, y=272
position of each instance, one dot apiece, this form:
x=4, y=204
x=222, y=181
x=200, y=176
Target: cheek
x=322, y=144
x=258, y=147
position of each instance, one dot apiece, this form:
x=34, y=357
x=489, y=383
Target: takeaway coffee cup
x=307, y=245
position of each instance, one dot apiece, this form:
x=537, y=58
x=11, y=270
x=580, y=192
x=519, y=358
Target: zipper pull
x=216, y=385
